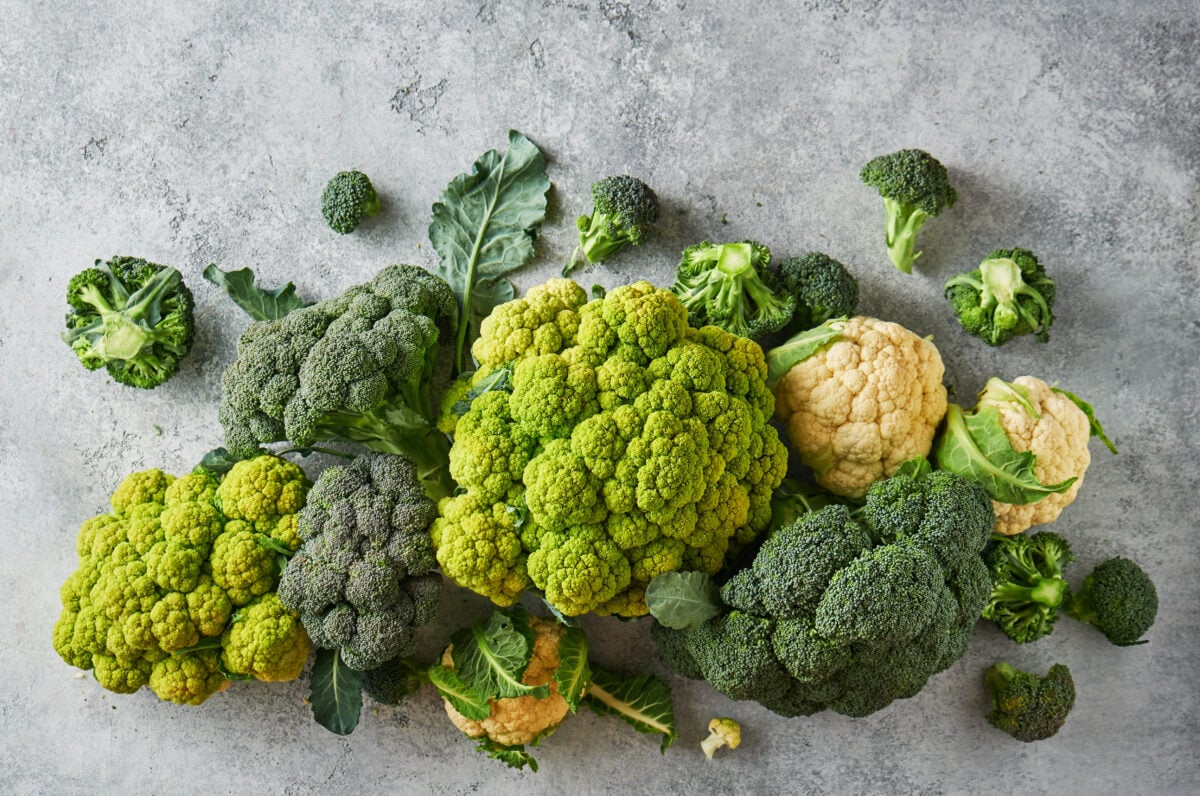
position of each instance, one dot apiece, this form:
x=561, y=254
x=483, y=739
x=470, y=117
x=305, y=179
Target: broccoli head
x=131, y=317
x=822, y=287
x=625, y=445
x=914, y=186
x=364, y=367
x=1028, y=585
x=730, y=285
x=348, y=198
x=394, y=680
x=1026, y=706
x=1118, y=599
x=1008, y=295
x=848, y=611
x=365, y=576
x=623, y=209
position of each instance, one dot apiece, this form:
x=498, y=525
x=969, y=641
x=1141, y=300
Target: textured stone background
x=190, y=133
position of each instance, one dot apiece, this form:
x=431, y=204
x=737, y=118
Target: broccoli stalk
x=914, y=186
x=623, y=208
x=729, y=285
x=1009, y=294
x=1027, y=583
x=1026, y=706
x=1118, y=599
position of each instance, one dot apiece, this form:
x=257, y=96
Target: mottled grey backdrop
x=198, y=132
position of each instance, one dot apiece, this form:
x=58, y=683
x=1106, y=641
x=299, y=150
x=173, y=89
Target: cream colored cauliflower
x=516, y=721
x=861, y=406
x=1058, y=435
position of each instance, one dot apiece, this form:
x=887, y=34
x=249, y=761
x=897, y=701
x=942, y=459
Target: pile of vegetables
x=564, y=453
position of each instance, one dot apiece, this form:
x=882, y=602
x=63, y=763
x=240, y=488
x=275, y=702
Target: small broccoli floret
x=914, y=186
x=1118, y=599
x=721, y=732
x=1008, y=295
x=1026, y=706
x=822, y=288
x=131, y=317
x=395, y=680
x=348, y=198
x=1028, y=585
x=730, y=285
x=623, y=209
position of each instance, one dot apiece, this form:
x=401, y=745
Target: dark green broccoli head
x=365, y=575
x=131, y=317
x=914, y=186
x=623, y=210
x=1027, y=583
x=348, y=198
x=1008, y=295
x=856, y=612
x=1026, y=706
x=822, y=288
x=1118, y=599
x=395, y=680
x=730, y=285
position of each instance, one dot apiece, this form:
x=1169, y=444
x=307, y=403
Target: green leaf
x=573, y=672
x=800, y=347
x=998, y=390
x=484, y=228
x=491, y=657
x=643, y=702
x=598, y=292
x=974, y=445
x=915, y=468
x=1097, y=430
x=258, y=302
x=683, y=599
x=335, y=693
x=512, y=756
x=217, y=462
x=273, y=545
x=461, y=696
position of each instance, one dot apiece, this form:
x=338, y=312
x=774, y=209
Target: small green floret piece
x=1026, y=706
x=822, y=288
x=348, y=198
x=1008, y=295
x=914, y=186
x=721, y=732
x=623, y=210
x=131, y=317
x=1028, y=585
x=730, y=285
x=1118, y=599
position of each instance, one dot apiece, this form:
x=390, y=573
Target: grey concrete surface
x=198, y=132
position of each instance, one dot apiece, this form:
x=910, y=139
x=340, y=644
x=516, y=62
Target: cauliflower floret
x=864, y=404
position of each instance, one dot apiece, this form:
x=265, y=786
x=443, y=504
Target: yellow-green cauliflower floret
x=162, y=572
x=266, y=641
x=626, y=445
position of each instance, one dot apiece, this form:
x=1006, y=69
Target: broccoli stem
x=594, y=240
x=903, y=223
x=998, y=677
x=1044, y=591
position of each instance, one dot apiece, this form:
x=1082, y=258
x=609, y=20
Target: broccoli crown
x=363, y=367
x=1119, y=599
x=822, y=288
x=730, y=285
x=394, y=680
x=364, y=578
x=1008, y=295
x=348, y=198
x=163, y=575
x=1028, y=585
x=1026, y=706
x=131, y=317
x=849, y=611
x=914, y=186
x=626, y=445
x=623, y=209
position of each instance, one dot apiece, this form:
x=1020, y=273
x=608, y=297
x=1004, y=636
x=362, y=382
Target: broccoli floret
x=623, y=209
x=730, y=285
x=1028, y=585
x=365, y=367
x=1118, y=599
x=1026, y=706
x=822, y=288
x=1008, y=295
x=131, y=317
x=395, y=680
x=914, y=186
x=348, y=198
x=365, y=576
